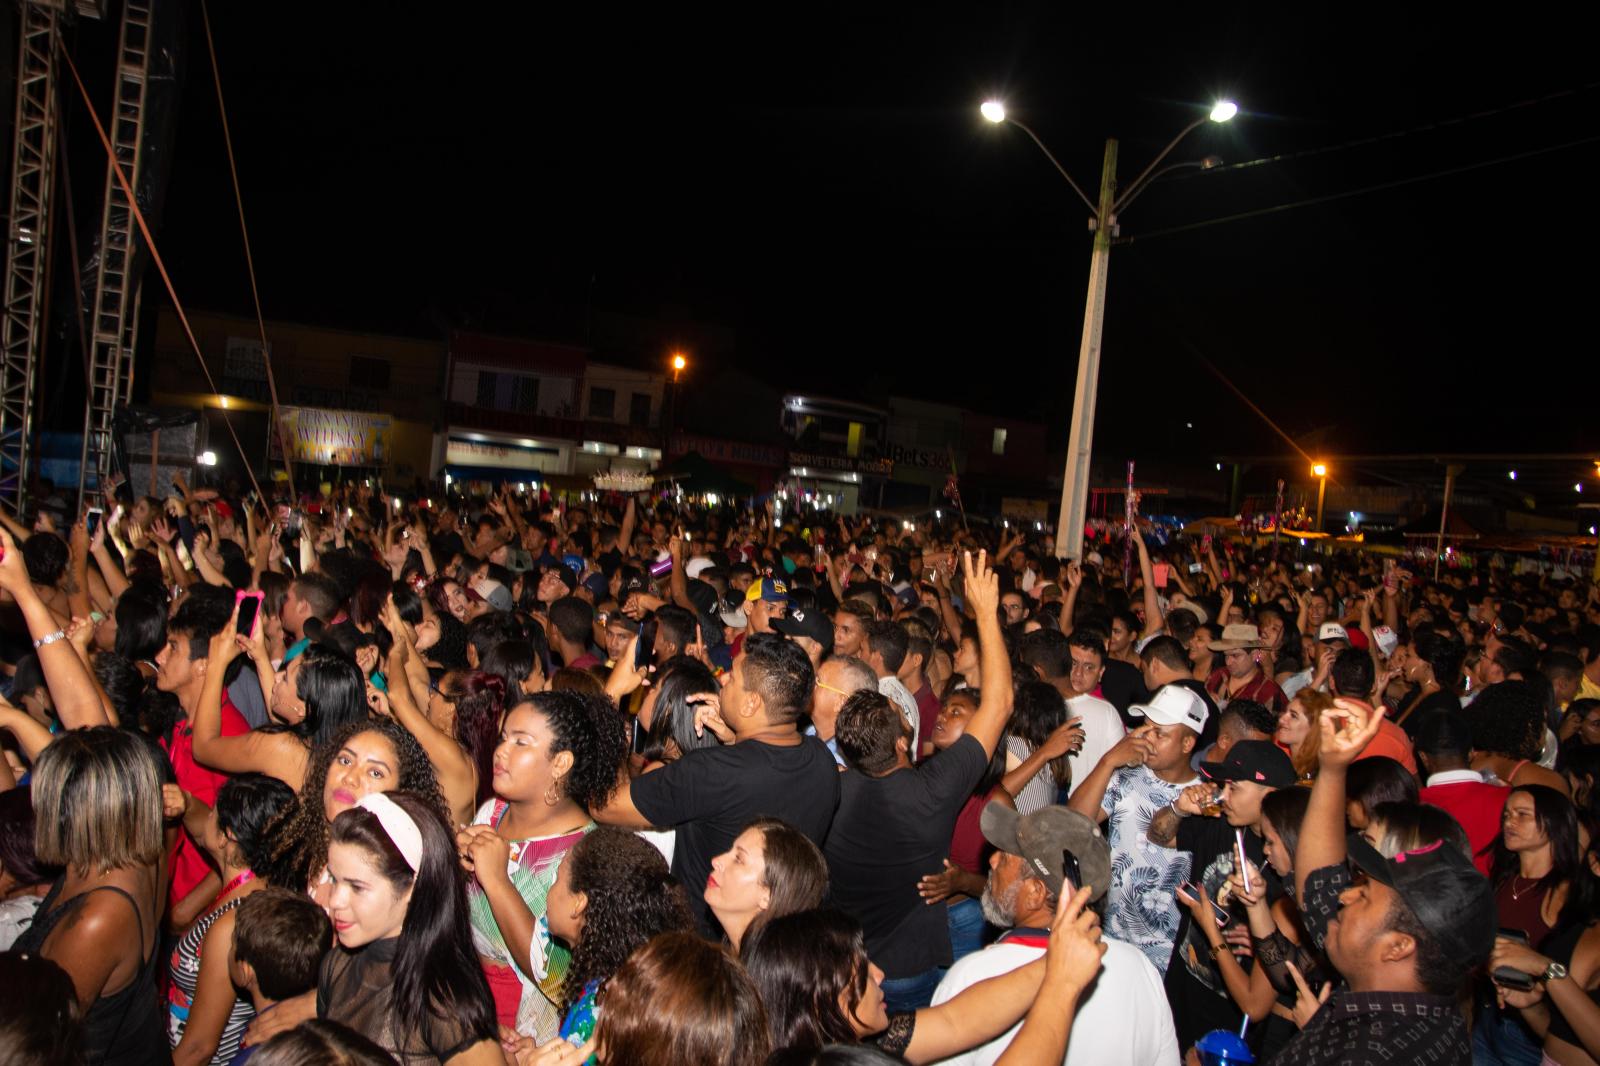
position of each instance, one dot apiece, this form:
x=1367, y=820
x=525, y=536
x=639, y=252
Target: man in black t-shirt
x=766, y=769
x=895, y=821
x=1251, y=770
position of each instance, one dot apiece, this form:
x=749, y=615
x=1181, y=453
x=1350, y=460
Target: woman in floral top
x=559, y=755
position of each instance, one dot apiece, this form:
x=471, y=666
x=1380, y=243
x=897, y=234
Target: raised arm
x=77, y=584
x=1069, y=603
x=1153, y=622
x=1346, y=729
x=994, y=707
x=71, y=686
x=455, y=771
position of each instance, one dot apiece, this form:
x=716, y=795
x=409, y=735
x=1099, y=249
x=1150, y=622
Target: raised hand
x=1346, y=729
x=982, y=584
x=1306, y=1003
x=1076, y=948
x=1065, y=739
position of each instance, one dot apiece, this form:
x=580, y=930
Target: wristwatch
x=1554, y=972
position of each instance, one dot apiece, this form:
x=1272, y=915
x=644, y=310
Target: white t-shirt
x=1102, y=728
x=1122, y=1019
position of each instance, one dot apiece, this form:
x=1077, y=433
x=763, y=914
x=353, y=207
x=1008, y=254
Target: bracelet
x=49, y=638
x=1218, y=949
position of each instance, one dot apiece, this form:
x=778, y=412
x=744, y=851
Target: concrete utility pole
x=1080, y=439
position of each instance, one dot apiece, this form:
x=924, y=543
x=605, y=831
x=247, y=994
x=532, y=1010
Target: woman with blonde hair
x=98, y=797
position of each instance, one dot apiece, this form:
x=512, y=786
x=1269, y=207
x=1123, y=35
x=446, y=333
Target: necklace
x=1518, y=895
x=243, y=877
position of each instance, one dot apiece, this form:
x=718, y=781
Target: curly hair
x=632, y=897
x=596, y=734
x=301, y=849
x=1508, y=719
x=451, y=650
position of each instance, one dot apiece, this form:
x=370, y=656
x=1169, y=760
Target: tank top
x=184, y=969
x=1523, y=910
x=121, y=1028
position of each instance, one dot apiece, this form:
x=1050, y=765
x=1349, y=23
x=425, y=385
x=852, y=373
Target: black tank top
x=124, y=1028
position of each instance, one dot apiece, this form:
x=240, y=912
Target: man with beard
x=1123, y=1017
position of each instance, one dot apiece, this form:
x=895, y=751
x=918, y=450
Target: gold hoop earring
x=552, y=795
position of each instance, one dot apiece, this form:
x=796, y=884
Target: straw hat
x=1237, y=636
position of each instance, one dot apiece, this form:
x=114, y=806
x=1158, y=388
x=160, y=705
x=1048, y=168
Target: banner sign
x=336, y=438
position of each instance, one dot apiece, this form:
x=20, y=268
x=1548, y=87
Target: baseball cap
x=597, y=585
x=1453, y=902
x=497, y=595
x=1174, y=705
x=733, y=617
x=810, y=623
x=768, y=588
x=702, y=595
x=1258, y=761
x=697, y=566
x=568, y=578
x=1195, y=609
x=1333, y=631
x=1093, y=559
x=1387, y=639
x=1039, y=838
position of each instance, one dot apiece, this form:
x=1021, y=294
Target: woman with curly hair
x=1508, y=728
x=613, y=894
x=375, y=755
x=558, y=758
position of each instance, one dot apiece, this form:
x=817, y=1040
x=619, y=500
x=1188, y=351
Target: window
x=639, y=409
x=999, y=442
x=486, y=388
x=602, y=402
x=528, y=395
x=368, y=372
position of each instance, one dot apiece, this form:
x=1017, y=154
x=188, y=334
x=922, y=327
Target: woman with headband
x=403, y=974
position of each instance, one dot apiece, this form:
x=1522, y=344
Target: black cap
x=703, y=596
x=1451, y=899
x=1258, y=761
x=812, y=623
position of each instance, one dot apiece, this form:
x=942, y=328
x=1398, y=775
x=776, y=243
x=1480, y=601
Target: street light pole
x=1080, y=438
x=1080, y=442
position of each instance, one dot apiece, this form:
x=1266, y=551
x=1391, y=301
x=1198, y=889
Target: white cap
x=697, y=566
x=733, y=617
x=1333, y=631
x=1174, y=705
x=1093, y=559
x=1195, y=609
x=1387, y=640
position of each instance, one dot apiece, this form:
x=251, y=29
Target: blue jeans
x=902, y=994
x=966, y=928
x=1500, y=1039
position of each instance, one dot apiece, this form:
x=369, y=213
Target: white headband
x=401, y=828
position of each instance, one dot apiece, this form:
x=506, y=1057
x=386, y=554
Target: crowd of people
x=493, y=779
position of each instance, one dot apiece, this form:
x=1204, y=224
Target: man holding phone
x=1123, y=1018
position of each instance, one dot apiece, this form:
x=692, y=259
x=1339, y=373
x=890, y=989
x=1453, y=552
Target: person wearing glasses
x=838, y=679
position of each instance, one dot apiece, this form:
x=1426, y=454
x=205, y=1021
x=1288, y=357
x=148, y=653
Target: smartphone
x=248, y=606
x=1197, y=568
x=91, y=519
x=1071, y=872
x=1244, y=871
x=1510, y=978
x=1160, y=572
x=1190, y=889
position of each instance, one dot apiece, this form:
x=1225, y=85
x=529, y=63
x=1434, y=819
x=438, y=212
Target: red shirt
x=189, y=863
x=1477, y=805
x=927, y=712
x=1392, y=743
x=1262, y=690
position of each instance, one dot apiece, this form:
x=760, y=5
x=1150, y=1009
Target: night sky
x=816, y=180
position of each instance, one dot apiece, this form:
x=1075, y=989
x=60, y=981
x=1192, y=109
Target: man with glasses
x=1013, y=608
x=838, y=679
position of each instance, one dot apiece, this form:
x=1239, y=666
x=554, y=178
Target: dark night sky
x=816, y=179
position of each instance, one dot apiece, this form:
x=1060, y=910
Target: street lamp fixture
x=679, y=362
x=1224, y=111
x=1320, y=470
x=994, y=111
